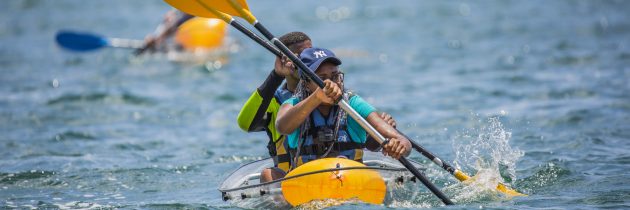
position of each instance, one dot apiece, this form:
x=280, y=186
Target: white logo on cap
x=319, y=54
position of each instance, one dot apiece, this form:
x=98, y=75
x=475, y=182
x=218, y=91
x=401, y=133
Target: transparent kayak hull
x=242, y=187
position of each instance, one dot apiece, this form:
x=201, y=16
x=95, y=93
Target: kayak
x=205, y=33
x=211, y=59
x=199, y=41
x=202, y=40
x=216, y=56
x=323, y=179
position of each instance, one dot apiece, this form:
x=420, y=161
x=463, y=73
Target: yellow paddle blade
x=221, y=9
x=243, y=11
x=191, y=7
x=508, y=191
x=461, y=176
x=364, y=184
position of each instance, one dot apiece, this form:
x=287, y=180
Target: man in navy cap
x=318, y=128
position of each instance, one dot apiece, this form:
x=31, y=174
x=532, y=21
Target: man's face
x=330, y=71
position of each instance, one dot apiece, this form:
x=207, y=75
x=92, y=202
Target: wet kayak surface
x=532, y=93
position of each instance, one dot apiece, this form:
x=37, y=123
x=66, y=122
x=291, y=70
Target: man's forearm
x=251, y=116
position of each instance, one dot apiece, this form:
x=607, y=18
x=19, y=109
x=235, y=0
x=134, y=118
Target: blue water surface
x=550, y=79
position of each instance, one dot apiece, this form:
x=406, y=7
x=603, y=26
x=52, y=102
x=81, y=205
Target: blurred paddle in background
x=85, y=42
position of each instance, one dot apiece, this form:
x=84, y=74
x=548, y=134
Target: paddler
x=260, y=110
x=193, y=34
x=168, y=27
x=318, y=128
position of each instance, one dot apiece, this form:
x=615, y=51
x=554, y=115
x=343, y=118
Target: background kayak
x=198, y=41
x=539, y=89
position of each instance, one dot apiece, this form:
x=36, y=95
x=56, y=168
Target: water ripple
x=125, y=98
x=12, y=178
x=545, y=177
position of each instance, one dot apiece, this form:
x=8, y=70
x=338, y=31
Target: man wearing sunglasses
x=318, y=128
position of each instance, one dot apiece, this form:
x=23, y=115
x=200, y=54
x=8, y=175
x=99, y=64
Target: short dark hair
x=292, y=38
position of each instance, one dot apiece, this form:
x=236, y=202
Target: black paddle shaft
x=255, y=37
x=429, y=155
x=320, y=83
x=425, y=181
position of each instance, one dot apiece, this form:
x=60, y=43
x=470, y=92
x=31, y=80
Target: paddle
x=232, y=7
x=208, y=12
x=461, y=176
x=83, y=42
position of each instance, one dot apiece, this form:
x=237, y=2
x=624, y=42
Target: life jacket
x=319, y=139
x=282, y=94
x=278, y=149
x=279, y=153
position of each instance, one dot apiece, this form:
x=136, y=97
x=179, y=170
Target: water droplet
x=334, y=16
x=212, y=66
x=321, y=12
x=345, y=12
x=55, y=83
x=217, y=64
x=510, y=60
x=137, y=115
x=603, y=22
x=383, y=58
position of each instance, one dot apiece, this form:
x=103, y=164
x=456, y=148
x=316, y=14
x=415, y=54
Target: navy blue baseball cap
x=313, y=57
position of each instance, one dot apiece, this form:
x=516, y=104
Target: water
x=533, y=93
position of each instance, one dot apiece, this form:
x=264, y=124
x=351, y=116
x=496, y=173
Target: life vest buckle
x=324, y=135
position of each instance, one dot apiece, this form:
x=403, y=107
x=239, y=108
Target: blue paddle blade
x=80, y=41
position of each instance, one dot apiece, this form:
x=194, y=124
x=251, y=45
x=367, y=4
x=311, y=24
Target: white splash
x=484, y=153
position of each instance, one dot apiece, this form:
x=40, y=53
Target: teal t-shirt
x=357, y=133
